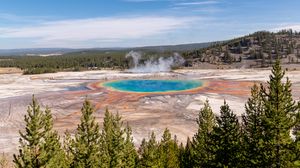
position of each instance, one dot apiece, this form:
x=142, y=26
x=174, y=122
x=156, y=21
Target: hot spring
x=150, y=86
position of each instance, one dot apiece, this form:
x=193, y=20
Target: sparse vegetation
x=4, y=163
x=261, y=47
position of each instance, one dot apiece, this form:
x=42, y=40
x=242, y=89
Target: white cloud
x=207, y=10
x=196, y=3
x=295, y=27
x=97, y=29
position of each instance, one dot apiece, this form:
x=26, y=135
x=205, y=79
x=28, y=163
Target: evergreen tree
x=149, y=153
x=67, y=143
x=181, y=155
x=54, y=149
x=52, y=144
x=252, y=129
x=169, y=152
x=201, y=142
x=112, y=139
x=296, y=144
x=39, y=145
x=227, y=57
x=270, y=56
x=187, y=155
x=226, y=136
x=116, y=143
x=130, y=154
x=263, y=61
x=85, y=146
x=279, y=119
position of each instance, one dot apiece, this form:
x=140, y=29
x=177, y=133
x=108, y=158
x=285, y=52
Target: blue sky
x=126, y=23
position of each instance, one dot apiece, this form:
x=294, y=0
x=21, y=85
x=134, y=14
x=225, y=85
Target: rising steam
x=151, y=65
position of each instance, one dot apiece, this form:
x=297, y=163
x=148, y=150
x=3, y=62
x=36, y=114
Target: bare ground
x=144, y=113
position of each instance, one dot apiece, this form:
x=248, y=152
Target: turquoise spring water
x=153, y=85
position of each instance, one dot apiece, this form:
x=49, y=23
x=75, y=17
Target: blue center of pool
x=153, y=85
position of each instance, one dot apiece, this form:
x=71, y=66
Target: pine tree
x=206, y=122
x=52, y=145
x=279, y=119
x=263, y=59
x=226, y=136
x=252, y=129
x=85, y=146
x=54, y=149
x=149, y=153
x=112, y=139
x=187, y=155
x=270, y=56
x=169, y=152
x=39, y=145
x=116, y=143
x=130, y=154
x=181, y=155
x=67, y=143
x=296, y=144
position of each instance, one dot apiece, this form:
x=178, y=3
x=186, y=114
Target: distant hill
x=256, y=50
x=178, y=48
x=61, y=51
x=34, y=51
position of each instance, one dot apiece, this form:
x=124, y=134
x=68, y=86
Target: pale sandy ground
x=10, y=70
x=260, y=75
x=177, y=112
x=12, y=85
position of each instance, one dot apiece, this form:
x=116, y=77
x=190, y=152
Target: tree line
x=268, y=135
x=78, y=61
x=262, y=46
x=68, y=62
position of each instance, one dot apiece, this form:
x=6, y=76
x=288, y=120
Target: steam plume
x=151, y=65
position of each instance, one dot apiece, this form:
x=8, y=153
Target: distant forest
x=68, y=62
x=83, y=60
x=261, y=47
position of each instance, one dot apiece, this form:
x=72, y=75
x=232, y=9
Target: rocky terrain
x=256, y=50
